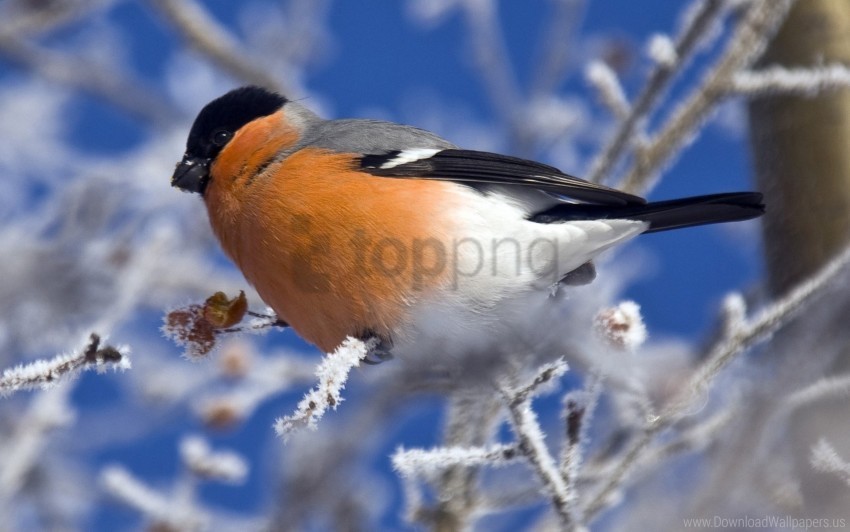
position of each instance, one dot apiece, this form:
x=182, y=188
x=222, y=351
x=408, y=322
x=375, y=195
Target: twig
x=46, y=373
x=532, y=445
x=655, y=87
x=492, y=62
x=725, y=350
x=24, y=447
x=554, y=46
x=200, y=460
x=804, y=81
x=825, y=388
x=692, y=438
x=571, y=452
x=131, y=96
x=419, y=462
x=662, y=50
x=838, y=386
x=163, y=510
x=332, y=374
x=609, y=89
x=759, y=328
x=471, y=421
x=260, y=324
x=579, y=408
x=546, y=374
x=531, y=441
x=744, y=47
x=44, y=19
x=825, y=458
x=212, y=39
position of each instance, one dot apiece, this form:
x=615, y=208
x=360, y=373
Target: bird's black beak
x=191, y=174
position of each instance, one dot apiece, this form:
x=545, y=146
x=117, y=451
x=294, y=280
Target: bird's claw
x=377, y=356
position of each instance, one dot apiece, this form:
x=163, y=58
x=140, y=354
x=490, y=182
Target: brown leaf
x=222, y=312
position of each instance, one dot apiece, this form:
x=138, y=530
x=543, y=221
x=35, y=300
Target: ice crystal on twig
x=825, y=458
x=621, y=327
x=202, y=461
x=332, y=374
x=46, y=373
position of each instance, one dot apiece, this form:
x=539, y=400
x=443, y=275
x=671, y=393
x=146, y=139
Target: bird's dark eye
x=221, y=137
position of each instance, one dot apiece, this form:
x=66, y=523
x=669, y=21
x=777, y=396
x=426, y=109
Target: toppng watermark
x=419, y=262
x=771, y=522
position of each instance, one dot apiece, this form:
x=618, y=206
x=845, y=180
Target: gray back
x=368, y=136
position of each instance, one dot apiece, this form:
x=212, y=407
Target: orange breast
x=333, y=251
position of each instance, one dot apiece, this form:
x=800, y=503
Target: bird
x=376, y=230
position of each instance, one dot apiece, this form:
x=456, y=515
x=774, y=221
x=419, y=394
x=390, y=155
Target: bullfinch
x=373, y=229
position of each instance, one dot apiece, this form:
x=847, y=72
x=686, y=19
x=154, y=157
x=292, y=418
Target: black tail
x=664, y=215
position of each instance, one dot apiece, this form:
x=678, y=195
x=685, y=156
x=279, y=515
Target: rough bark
x=801, y=147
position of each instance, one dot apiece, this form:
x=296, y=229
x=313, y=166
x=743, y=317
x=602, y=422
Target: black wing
x=469, y=166
x=665, y=215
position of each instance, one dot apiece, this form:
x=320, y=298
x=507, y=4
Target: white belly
x=503, y=271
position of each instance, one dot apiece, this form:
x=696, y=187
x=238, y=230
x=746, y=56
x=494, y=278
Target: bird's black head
x=215, y=125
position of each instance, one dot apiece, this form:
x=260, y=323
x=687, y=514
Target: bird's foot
x=381, y=350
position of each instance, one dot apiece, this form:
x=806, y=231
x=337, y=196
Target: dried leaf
x=222, y=312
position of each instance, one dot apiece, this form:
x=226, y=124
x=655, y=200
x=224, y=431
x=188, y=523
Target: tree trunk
x=802, y=148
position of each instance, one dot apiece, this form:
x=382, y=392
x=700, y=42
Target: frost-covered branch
x=472, y=419
x=837, y=387
x=607, y=85
x=19, y=30
x=178, y=510
x=692, y=438
x=578, y=410
x=491, y=58
x=224, y=466
x=827, y=387
x=825, y=458
x=332, y=374
x=205, y=34
x=46, y=373
x=418, y=462
x=532, y=443
x=574, y=420
x=738, y=337
x=24, y=445
x=32, y=20
x=163, y=510
x=110, y=85
x=809, y=81
x=699, y=24
x=451, y=469
x=662, y=50
x=546, y=376
x=758, y=328
x=555, y=46
x=746, y=44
